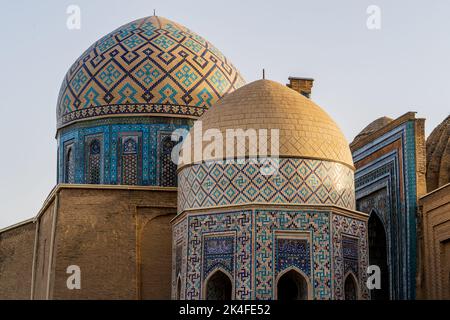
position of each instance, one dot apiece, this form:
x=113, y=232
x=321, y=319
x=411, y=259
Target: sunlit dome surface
x=305, y=129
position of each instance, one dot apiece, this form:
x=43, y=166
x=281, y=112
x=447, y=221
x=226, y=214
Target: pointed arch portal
x=219, y=286
x=179, y=288
x=350, y=287
x=378, y=255
x=292, y=286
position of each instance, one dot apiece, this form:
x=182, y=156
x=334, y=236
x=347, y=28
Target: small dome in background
x=372, y=127
x=306, y=130
x=149, y=66
x=438, y=156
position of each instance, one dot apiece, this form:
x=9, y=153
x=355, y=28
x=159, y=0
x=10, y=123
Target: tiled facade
x=266, y=243
x=117, y=107
x=298, y=220
x=386, y=184
x=130, y=151
x=351, y=254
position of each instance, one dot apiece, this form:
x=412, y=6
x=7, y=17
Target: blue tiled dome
x=149, y=66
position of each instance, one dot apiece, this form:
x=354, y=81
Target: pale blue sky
x=360, y=74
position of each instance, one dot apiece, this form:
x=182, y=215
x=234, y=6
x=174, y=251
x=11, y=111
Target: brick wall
x=435, y=208
x=16, y=252
x=99, y=231
x=119, y=236
x=42, y=253
x=155, y=248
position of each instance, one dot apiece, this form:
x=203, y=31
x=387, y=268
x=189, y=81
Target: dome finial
x=264, y=74
x=154, y=12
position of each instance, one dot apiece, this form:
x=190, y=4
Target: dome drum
x=297, y=181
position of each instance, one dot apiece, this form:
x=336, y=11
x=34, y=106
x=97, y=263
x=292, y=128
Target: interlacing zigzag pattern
x=315, y=223
x=347, y=227
x=298, y=181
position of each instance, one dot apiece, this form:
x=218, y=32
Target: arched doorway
x=292, y=286
x=350, y=288
x=378, y=255
x=218, y=286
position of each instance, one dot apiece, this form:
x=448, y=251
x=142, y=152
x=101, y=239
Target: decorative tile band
x=298, y=181
x=317, y=224
x=132, y=109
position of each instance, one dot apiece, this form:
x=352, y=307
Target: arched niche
x=293, y=284
x=378, y=255
x=218, y=286
x=178, y=294
x=351, y=288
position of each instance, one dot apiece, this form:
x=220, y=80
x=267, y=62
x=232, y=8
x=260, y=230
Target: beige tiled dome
x=305, y=129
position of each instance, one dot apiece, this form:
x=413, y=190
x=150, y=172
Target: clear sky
x=360, y=74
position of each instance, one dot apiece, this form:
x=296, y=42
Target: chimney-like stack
x=301, y=85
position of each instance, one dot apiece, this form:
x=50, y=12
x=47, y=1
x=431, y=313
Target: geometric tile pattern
x=298, y=181
x=348, y=233
x=317, y=224
x=109, y=132
x=240, y=224
x=218, y=252
x=350, y=248
x=293, y=253
x=93, y=160
x=264, y=242
x=148, y=66
x=130, y=163
x=385, y=185
x=69, y=167
x=179, y=259
x=168, y=173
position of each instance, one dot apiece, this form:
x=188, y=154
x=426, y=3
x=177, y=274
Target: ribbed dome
x=305, y=129
x=149, y=66
x=438, y=156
